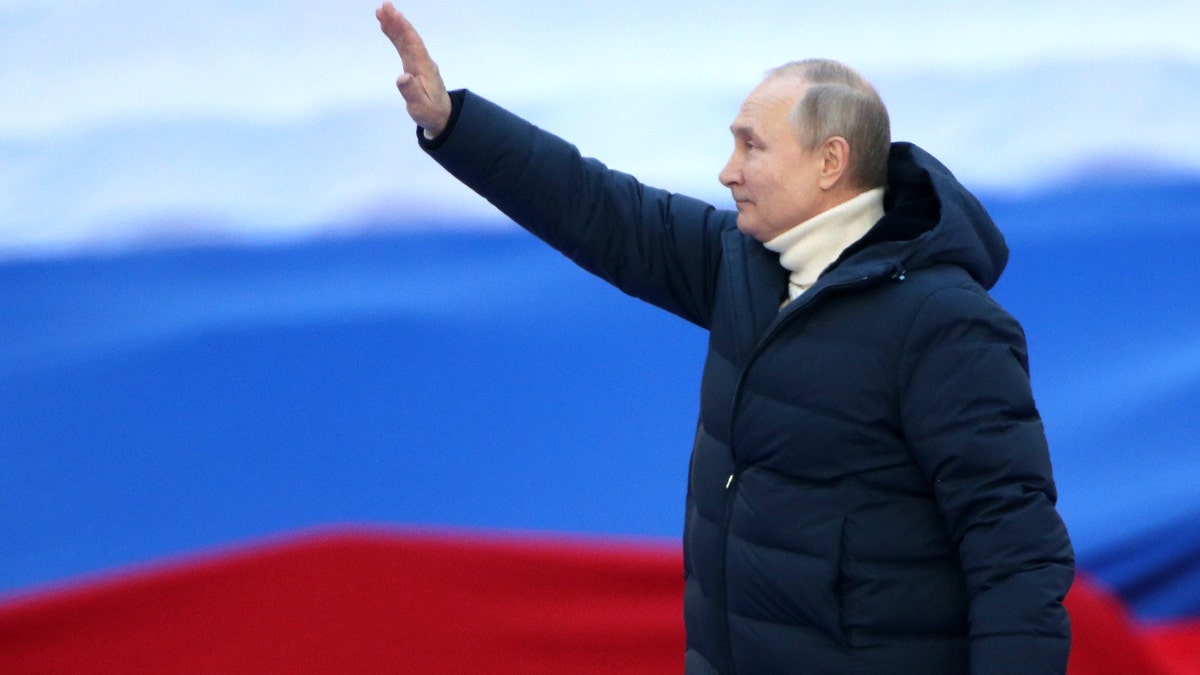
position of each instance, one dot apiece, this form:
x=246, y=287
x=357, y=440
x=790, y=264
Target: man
x=870, y=489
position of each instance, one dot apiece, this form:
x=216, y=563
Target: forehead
x=769, y=104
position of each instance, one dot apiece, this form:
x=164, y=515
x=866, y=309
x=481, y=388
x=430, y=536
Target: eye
x=746, y=140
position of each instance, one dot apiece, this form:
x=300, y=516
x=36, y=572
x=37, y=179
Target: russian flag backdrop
x=277, y=395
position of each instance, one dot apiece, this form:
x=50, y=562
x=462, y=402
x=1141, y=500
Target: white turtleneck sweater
x=809, y=248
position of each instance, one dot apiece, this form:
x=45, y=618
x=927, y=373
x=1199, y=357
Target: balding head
x=840, y=102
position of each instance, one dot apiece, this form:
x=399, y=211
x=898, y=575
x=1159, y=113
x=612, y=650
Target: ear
x=835, y=160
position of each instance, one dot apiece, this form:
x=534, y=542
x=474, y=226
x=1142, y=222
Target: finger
x=385, y=14
x=391, y=23
x=404, y=36
x=411, y=47
x=414, y=90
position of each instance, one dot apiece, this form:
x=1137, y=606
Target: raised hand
x=420, y=84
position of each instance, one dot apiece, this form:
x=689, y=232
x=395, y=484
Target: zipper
x=726, y=637
x=805, y=300
x=731, y=484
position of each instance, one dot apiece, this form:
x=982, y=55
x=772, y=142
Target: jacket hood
x=931, y=219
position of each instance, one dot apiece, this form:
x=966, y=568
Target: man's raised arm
x=420, y=84
x=654, y=245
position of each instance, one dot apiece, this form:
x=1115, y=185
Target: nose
x=731, y=174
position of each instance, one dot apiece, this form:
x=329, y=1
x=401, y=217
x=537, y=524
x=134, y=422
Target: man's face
x=774, y=180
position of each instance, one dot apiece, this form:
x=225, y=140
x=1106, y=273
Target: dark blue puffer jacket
x=870, y=489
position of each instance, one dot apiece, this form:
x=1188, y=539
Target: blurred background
x=237, y=302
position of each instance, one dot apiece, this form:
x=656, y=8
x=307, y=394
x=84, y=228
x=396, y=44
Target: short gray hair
x=840, y=102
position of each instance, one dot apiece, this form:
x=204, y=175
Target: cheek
x=752, y=169
x=759, y=175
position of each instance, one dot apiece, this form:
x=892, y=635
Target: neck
x=808, y=249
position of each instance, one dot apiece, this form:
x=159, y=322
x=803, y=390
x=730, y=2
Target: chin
x=745, y=225
x=750, y=229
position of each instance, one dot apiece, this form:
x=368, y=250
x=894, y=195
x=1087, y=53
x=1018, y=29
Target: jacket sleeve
x=969, y=416
x=661, y=247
